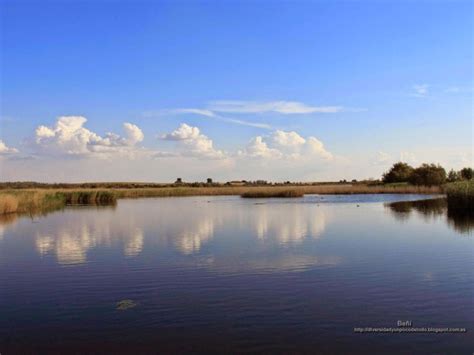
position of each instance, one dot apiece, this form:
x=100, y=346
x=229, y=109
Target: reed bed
x=23, y=201
x=8, y=204
x=308, y=189
x=460, y=195
x=43, y=200
x=279, y=194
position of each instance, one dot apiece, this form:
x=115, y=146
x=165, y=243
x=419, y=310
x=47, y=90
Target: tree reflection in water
x=461, y=220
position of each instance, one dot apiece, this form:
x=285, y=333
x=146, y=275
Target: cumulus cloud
x=287, y=139
x=69, y=137
x=191, y=142
x=283, y=144
x=257, y=148
x=134, y=133
x=4, y=149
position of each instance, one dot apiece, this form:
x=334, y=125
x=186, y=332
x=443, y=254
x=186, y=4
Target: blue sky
x=395, y=76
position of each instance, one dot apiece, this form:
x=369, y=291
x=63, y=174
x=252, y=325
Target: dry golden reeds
x=8, y=204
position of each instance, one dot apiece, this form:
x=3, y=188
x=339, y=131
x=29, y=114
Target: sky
x=276, y=90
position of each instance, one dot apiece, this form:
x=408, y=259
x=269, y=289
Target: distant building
x=209, y=180
x=178, y=181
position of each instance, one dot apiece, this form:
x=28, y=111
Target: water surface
x=225, y=274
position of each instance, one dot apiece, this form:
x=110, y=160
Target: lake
x=225, y=274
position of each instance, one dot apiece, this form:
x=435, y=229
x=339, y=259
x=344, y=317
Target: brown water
x=225, y=274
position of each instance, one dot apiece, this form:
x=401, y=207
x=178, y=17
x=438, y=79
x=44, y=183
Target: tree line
x=425, y=174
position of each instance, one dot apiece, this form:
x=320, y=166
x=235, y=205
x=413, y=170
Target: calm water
x=225, y=274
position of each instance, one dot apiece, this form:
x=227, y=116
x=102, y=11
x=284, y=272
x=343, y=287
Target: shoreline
x=37, y=201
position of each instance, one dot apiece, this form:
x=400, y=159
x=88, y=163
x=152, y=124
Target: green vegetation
x=399, y=172
x=38, y=198
x=426, y=174
x=460, y=195
x=42, y=201
x=38, y=201
x=466, y=174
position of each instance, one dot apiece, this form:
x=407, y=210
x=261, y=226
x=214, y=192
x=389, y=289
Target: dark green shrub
x=399, y=172
x=428, y=175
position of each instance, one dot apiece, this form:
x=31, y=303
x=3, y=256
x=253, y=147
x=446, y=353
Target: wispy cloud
x=420, y=90
x=206, y=113
x=282, y=107
x=458, y=90
x=214, y=109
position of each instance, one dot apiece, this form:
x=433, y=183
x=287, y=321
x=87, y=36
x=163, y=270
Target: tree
x=466, y=173
x=399, y=172
x=428, y=174
x=453, y=176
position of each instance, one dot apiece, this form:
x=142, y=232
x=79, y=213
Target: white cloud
x=420, y=90
x=4, y=149
x=282, y=107
x=133, y=133
x=197, y=111
x=287, y=139
x=192, y=142
x=69, y=137
x=382, y=158
x=287, y=145
x=316, y=148
x=257, y=148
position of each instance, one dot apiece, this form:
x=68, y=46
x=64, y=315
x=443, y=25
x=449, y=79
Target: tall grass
x=305, y=189
x=460, y=195
x=8, y=204
x=44, y=200
x=269, y=193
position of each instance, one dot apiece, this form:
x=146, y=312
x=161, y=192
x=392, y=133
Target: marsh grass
x=270, y=193
x=39, y=201
x=8, y=204
x=460, y=195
